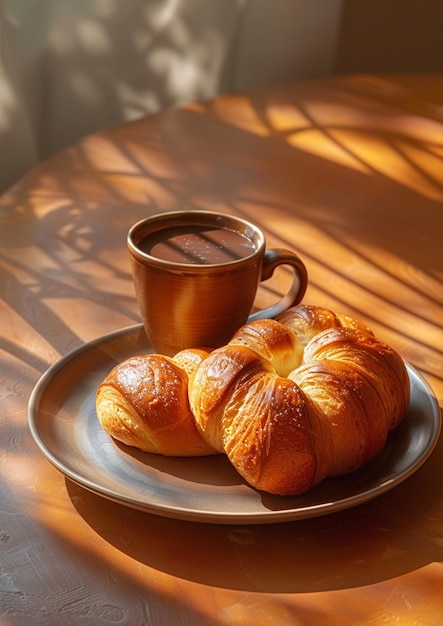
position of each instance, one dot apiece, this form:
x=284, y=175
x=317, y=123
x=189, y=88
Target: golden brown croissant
x=289, y=401
x=294, y=400
x=143, y=402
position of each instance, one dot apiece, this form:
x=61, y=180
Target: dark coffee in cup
x=196, y=275
x=201, y=245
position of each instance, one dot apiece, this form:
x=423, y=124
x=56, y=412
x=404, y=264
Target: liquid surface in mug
x=198, y=245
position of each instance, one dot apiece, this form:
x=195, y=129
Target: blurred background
x=70, y=67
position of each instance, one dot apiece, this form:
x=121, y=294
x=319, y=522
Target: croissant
x=290, y=401
x=143, y=402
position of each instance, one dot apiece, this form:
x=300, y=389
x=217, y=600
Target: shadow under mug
x=196, y=275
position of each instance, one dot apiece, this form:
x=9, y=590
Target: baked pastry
x=143, y=402
x=290, y=401
x=294, y=400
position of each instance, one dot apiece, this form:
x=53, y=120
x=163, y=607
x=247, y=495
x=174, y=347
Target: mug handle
x=271, y=260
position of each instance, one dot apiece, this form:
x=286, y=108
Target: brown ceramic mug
x=196, y=275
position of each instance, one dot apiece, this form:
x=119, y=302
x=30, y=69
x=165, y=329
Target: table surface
x=346, y=171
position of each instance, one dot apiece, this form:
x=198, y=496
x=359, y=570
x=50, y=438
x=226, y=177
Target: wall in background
x=70, y=67
x=390, y=36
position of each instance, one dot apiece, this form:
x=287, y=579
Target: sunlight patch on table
x=239, y=112
x=286, y=117
x=321, y=144
x=372, y=153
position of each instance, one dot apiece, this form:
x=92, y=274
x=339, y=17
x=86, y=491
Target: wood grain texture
x=349, y=173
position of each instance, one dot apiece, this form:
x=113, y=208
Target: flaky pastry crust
x=289, y=401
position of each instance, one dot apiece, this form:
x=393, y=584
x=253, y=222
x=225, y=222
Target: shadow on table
x=392, y=535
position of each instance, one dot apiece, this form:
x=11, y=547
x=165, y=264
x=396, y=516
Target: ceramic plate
x=64, y=425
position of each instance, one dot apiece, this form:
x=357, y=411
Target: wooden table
x=348, y=172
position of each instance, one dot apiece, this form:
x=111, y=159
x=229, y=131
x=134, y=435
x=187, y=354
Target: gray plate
x=64, y=425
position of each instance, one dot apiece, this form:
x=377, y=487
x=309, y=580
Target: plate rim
x=205, y=516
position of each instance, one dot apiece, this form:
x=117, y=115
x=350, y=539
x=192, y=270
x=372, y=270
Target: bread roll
x=290, y=401
x=143, y=402
x=284, y=431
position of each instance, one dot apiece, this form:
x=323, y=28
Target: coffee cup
x=196, y=275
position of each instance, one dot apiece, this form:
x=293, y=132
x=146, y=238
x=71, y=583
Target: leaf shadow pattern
x=88, y=196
